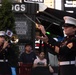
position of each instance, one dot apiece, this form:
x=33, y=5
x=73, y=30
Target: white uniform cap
x=2, y=33
x=70, y=20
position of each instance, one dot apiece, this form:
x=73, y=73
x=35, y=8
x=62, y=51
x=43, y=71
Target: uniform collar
x=70, y=36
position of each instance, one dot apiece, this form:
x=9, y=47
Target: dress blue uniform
x=4, y=61
x=66, y=56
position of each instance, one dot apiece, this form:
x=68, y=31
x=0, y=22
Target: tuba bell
x=14, y=39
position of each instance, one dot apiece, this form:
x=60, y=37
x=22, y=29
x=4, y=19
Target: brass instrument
x=14, y=39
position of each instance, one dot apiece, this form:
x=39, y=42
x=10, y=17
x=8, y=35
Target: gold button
x=52, y=46
x=47, y=43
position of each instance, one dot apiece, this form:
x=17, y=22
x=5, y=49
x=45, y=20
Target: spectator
x=26, y=60
x=28, y=56
x=41, y=61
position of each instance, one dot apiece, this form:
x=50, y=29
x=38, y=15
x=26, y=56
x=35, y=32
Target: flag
x=9, y=33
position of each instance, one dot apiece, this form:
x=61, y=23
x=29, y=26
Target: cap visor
x=68, y=25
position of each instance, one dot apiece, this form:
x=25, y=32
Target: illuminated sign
x=30, y=8
x=70, y=6
x=39, y=1
x=19, y=7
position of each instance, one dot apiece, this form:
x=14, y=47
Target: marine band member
x=66, y=50
x=4, y=61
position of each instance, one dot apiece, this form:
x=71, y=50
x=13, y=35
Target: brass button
x=47, y=43
x=52, y=46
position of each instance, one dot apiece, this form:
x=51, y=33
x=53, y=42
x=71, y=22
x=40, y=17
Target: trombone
x=14, y=39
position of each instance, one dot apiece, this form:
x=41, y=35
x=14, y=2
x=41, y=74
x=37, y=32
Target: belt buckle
x=72, y=62
x=6, y=60
x=67, y=62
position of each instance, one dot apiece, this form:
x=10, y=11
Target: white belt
x=3, y=60
x=66, y=62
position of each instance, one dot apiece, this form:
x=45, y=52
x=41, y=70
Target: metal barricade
x=24, y=69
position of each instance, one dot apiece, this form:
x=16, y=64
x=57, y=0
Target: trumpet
x=14, y=39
